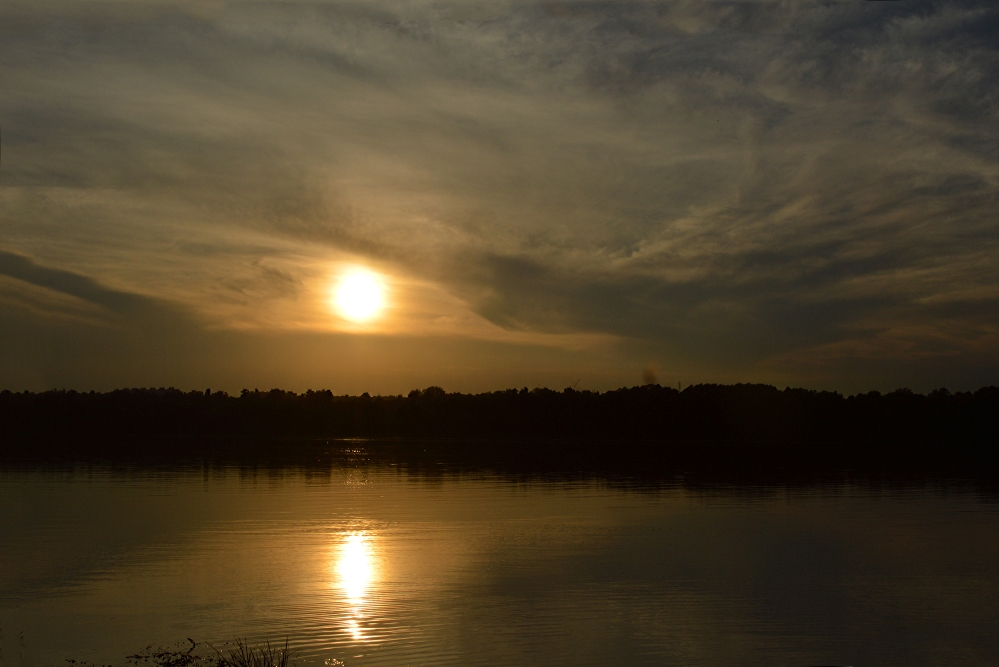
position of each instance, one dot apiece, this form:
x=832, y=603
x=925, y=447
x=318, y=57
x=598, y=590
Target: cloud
x=71, y=284
x=734, y=184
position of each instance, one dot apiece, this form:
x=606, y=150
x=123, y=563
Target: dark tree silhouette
x=746, y=433
x=650, y=413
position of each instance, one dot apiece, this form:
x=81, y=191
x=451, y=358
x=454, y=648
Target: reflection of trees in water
x=725, y=467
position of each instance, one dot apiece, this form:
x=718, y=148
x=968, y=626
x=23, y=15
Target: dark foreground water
x=373, y=565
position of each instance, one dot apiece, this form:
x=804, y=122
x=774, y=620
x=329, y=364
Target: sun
x=359, y=296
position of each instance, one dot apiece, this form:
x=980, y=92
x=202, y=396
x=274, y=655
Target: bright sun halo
x=359, y=296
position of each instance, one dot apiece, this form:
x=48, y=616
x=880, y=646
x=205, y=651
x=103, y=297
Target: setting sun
x=359, y=296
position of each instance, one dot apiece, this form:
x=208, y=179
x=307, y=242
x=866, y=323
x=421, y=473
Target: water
x=374, y=565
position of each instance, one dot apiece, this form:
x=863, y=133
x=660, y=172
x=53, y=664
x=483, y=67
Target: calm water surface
x=373, y=566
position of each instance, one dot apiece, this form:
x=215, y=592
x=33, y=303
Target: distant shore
x=649, y=413
x=743, y=433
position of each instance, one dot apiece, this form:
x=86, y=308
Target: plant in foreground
x=240, y=655
x=244, y=655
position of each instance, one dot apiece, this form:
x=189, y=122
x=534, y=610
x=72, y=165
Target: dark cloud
x=22, y=268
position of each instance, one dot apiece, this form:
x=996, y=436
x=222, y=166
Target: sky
x=589, y=194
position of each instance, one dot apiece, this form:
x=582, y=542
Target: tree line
x=751, y=413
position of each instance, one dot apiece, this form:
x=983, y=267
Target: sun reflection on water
x=355, y=572
x=355, y=568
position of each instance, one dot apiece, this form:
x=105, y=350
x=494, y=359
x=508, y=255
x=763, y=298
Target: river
x=377, y=564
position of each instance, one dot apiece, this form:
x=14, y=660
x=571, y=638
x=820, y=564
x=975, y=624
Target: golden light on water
x=359, y=295
x=355, y=573
x=355, y=568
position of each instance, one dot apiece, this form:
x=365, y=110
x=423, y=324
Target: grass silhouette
x=243, y=654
